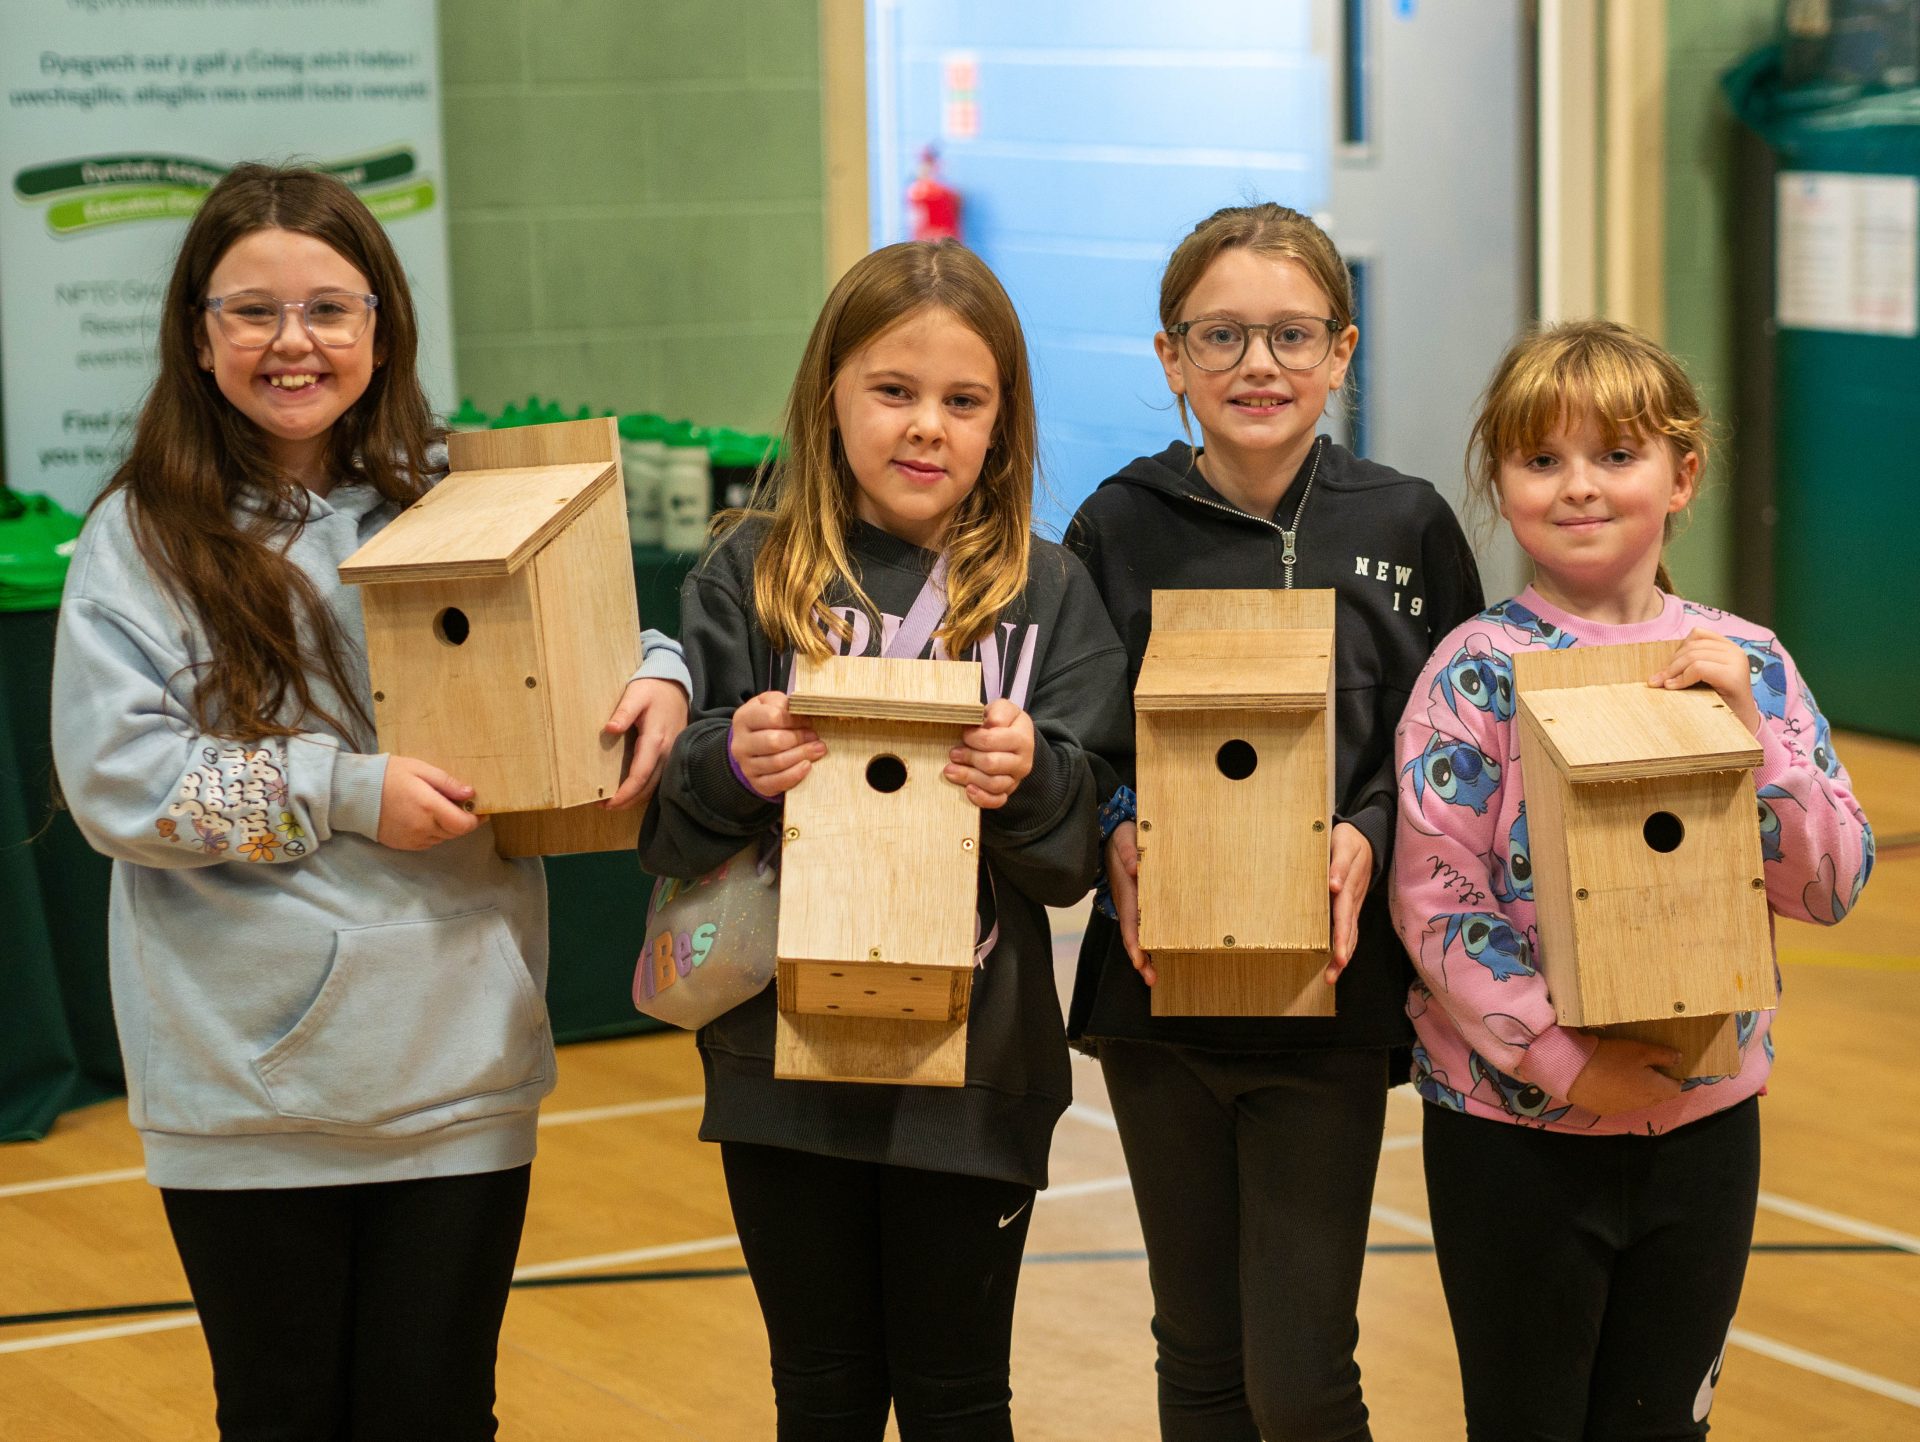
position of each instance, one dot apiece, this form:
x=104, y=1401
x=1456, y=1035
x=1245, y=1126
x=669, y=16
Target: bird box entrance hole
x=886, y=773
x=1664, y=832
x=1236, y=760
x=452, y=626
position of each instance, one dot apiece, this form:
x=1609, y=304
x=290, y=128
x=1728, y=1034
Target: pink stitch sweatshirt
x=1463, y=878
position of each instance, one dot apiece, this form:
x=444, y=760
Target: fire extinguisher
x=933, y=207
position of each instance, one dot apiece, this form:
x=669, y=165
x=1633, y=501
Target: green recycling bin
x=1847, y=382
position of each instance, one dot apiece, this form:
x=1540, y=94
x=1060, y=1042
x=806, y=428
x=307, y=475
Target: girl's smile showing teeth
x=293, y=381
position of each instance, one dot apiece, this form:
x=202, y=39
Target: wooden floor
x=1827, y=1344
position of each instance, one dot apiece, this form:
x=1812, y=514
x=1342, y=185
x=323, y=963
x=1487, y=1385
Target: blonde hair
x=1551, y=377
x=809, y=490
x=1266, y=229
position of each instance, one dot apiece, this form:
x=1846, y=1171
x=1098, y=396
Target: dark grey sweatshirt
x=1055, y=655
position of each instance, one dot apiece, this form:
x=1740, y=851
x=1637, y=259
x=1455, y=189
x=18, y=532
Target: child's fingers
x=986, y=800
x=443, y=818
x=776, y=783
x=451, y=787
x=627, y=709
x=974, y=779
x=777, y=743
x=642, y=772
x=991, y=761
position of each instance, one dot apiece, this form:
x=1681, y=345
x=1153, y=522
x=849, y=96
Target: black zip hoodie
x=1055, y=655
x=1405, y=576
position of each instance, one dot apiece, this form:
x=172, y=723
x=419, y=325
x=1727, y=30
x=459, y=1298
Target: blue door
x=1085, y=140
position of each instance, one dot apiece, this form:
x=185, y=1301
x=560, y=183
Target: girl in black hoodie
x=883, y=1225
x=1253, y=1143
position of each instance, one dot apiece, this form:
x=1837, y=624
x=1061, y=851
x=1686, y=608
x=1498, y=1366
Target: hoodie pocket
x=418, y=1024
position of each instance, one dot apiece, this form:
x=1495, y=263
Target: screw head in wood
x=1759, y=883
x=1146, y=826
x=1319, y=826
x=1679, y=1006
x=1581, y=894
x=1226, y=941
x=793, y=833
x=531, y=683
x=873, y=954
x=379, y=695
x=966, y=844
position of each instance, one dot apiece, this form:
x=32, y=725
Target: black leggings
x=1253, y=1176
x=1591, y=1280
x=878, y=1284
x=363, y=1313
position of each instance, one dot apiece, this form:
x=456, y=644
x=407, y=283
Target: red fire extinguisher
x=933, y=207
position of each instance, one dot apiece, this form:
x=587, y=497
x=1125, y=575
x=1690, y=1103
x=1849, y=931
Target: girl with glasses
x=328, y=986
x=1252, y=1142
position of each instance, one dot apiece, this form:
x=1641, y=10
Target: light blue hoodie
x=297, y=1004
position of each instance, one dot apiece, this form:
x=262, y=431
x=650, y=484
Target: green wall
x=635, y=201
x=1704, y=40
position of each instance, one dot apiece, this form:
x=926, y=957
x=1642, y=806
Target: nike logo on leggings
x=1004, y=1221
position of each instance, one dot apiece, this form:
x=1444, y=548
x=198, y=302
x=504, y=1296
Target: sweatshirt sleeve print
x=1816, y=846
x=1463, y=892
x=147, y=786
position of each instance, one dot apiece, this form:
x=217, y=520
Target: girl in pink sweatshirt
x=1577, y=1192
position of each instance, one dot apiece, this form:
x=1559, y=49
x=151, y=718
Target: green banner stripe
x=99, y=170
x=91, y=212
x=401, y=201
x=148, y=172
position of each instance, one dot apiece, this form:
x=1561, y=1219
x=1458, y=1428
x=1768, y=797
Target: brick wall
x=635, y=201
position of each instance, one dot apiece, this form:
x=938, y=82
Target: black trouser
x=1254, y=1177
x=353, y=1313
x=1592, y=1280
x=881, y=1283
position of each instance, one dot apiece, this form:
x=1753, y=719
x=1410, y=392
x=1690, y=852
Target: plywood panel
x=1243, y=610
x=1221, y=858
x=1708, y=1045
x=880, y=989
x=1241, y=983
x=474, y=708
x=946, y=692
x=560, y=443
x=591, y=621
x=480, y=523
x=567, y=831
x=870, y=1049
x=1201, y=670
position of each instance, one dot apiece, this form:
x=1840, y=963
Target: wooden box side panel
x=869, y=1049
x=873, y=876
x=590, y=624
x=1241, y=983
x=466, y=708
x=1224, y=858
x=1677, y=933
x=1557, y=953
x=559, y=443
x=1590, y=665
x=566, y=832
x=1274, y=610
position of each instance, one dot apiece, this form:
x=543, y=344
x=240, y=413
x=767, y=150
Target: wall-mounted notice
x=116, y=116
x=1848, y=259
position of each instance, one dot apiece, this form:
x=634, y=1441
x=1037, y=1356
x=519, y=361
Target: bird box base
x=1241, y=983
x=888, y=990
x=892, y=1051
x=1708, y=1045
x=567, y=831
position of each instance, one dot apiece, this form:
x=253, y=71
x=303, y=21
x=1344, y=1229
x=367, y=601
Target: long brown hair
x=1628, y=384
x=809, y=490
x=211, y=511
x=1265, y=229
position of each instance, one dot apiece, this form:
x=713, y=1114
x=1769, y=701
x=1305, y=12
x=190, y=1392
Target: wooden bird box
x=1234, y=742
x=879, y=877
x=1647, y=880
x=501, y=627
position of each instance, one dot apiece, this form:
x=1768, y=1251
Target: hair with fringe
x=210, y=510
x=1266, y=229
x=1628, y=385
x=809, y=490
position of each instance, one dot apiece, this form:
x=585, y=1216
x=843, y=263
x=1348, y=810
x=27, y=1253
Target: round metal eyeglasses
x=1298, y=343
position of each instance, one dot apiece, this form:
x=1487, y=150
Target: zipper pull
x=1287, y=557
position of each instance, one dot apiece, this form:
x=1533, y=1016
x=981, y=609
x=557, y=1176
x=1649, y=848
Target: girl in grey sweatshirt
x=328, y=986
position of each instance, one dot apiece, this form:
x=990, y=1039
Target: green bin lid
x=36, y=543
x=468, y=418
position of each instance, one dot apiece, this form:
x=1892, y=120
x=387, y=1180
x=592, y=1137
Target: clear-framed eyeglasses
x=1298, y=343
x=252, y=319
